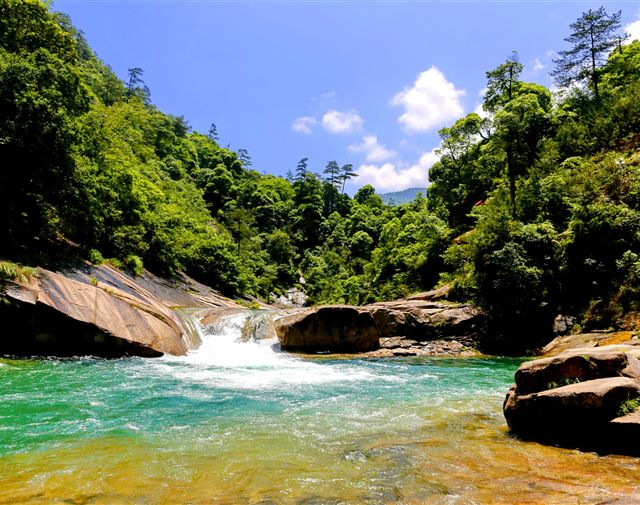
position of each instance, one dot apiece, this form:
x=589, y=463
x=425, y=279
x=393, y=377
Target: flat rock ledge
x=584, y=398
x=411, y=327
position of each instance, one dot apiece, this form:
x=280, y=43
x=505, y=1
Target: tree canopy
x=533, y=208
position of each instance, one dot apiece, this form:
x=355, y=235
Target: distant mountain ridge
x=404, y=196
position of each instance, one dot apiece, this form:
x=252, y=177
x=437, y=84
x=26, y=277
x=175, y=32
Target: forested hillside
x=532, y=210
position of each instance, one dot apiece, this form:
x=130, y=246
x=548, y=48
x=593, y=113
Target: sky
x=368, y=83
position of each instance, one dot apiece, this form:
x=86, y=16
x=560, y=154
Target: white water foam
x=226, y=360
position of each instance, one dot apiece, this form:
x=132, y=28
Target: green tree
x=502, y=86
x=464, y=175
x=302, y=169
x=41, y=97
x=593, y=36
x=346, y=173
x=243, y=156
x=333, y=173
x=136, y=86
x=213, y=132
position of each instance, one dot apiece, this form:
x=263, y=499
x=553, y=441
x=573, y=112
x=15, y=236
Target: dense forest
x=532, y=210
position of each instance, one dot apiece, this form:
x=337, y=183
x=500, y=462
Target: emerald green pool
x=242, y=423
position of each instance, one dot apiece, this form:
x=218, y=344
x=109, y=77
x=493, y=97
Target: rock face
x=337, y=328
x=97, y=311
x=400, y=328
x=577, y=398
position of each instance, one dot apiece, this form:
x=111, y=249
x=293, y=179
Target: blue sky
x=362, y=82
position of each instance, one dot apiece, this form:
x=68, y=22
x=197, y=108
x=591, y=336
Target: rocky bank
x=584, y=397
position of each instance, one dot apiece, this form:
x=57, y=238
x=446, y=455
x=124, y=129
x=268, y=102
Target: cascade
x=237, y=351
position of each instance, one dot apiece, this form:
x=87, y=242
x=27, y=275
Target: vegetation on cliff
x=532, y=210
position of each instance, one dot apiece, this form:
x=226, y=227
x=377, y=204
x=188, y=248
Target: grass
x=565, y=381
x=10, y=271
x=628, y=406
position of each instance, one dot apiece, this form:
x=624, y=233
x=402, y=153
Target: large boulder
x=98, y=311
x=335, y=328
x=576, y=398
x=570, y=410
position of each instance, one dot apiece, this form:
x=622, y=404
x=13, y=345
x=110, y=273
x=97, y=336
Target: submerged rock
x=577, y=398
x=97, y=311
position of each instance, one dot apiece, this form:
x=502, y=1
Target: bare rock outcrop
x=98, y=311
x=589, y=341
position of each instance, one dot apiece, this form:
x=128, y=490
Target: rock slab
x=96, y=311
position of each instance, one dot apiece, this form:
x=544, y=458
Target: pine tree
x=243, y=156
x=302, y=169
x=346, y=173
x=333, y=173
x=213, y=132
x=594, y=34
x=136, y=85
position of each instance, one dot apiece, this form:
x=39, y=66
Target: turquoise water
x=240, y=422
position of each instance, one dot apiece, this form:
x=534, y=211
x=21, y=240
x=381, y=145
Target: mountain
x=400, y=197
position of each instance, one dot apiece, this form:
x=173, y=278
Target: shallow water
x=237, y=422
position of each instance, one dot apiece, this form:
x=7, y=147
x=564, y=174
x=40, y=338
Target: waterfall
x=237, y=350
x=234, y=341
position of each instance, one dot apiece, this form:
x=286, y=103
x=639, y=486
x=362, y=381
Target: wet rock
x=404, y=324
x=425, y=320
x=394, y=342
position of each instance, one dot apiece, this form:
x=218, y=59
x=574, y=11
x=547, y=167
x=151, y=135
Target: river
x=237, y=422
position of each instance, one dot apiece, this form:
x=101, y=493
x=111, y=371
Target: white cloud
x=391, y=177
x=304, y=124
x=327, y=95
x=633, y=29
x=337, y=122
x=479, y=110
x=537, y=65
x=374, y=152
x=432, y=101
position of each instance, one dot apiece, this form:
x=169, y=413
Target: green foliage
x=593, y=36
x=95, y=257
x=10, y=271
x=629, y=406
x=134, y=264
x=565, y=381
x=532, y=210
